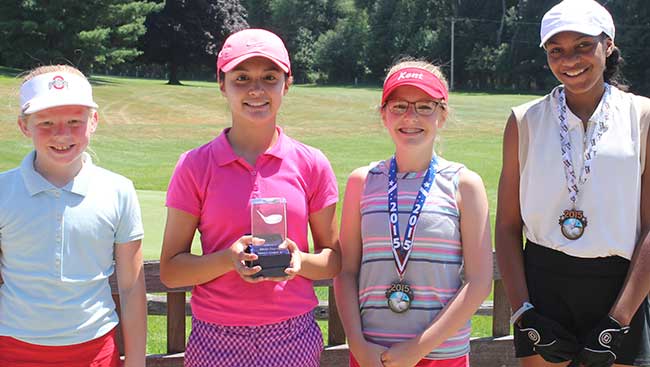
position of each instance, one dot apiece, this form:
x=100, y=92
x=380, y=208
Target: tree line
x=495, y=42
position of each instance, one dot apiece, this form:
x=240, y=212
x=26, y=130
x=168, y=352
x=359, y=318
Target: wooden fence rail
x=494, y=351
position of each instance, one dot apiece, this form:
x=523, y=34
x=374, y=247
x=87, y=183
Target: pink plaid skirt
x=293, y=342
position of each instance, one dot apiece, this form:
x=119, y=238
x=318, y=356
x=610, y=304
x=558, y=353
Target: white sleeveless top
x=611, y=197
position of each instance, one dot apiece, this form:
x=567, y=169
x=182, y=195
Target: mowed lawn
x=145, y=125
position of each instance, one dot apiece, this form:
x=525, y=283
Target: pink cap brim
x=236, y=61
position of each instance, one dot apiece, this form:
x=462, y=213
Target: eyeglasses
x=422, y=108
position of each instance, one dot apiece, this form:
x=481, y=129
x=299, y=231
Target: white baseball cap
x=582, y=16
x=55, y=89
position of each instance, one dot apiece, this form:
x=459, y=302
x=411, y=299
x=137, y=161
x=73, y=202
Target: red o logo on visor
x=58, y=82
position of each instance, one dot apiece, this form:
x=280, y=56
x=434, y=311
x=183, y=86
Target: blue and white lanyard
x=402, y=249
x=574, y=182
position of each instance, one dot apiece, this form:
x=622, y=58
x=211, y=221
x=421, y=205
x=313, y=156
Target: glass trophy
x=268, y=222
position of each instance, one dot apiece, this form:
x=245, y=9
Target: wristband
x=524, y=307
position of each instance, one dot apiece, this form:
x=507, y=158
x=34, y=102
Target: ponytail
x=612, y=73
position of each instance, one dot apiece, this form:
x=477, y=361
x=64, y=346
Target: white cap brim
x=40, y=104
x=590, y=30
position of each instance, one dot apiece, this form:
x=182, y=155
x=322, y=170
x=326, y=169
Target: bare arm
x=325, y=263
x=346, y=284
x=477, y=256
x=637, y=283
x=509, y=225
x=133, y=301
x=178, y=267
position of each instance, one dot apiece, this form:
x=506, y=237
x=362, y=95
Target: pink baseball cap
x=419, y=78
x=243, y=45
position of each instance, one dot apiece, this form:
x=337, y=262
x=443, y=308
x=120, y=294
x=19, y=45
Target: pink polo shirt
x=211, y=182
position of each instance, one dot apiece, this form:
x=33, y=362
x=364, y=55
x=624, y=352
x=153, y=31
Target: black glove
x=551, y=340
x=602, y=343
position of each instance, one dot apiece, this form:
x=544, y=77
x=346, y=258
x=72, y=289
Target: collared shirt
x=611, y=197
x=214, y=184
x=57, y=252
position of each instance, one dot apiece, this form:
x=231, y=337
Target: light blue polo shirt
x=57, y=252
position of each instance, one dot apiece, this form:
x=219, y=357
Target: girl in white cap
x=240, y=318
x=410, y=224
x=62, y=222
x=574, y=181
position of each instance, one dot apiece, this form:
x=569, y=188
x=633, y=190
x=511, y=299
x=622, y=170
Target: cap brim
x=40, y=104
x=431, y=92
x=238, y=60
x=579, y=28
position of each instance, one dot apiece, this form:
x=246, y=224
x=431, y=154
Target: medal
x=572, y=224
x=400, y=296
x=572, y=221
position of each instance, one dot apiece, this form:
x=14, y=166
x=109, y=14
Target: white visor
x=53, y=90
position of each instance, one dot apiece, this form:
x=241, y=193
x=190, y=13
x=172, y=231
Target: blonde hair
x=50, y=69
x=420, y=64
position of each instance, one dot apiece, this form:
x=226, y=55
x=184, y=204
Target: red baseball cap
x=419, y=78
x=243, y=45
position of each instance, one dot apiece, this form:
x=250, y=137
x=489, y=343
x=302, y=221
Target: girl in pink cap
x=574, y=182
x=66, y=225
x=240, y=318
x=411, y=225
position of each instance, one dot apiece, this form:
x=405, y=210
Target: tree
x=415, y=28
x=84, y=33
x=633, y=23
x=341, y=52
x=259, y=13
x=300, y=22
x=190, y=32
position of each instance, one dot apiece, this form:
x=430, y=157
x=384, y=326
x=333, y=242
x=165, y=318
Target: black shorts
x=578, y=293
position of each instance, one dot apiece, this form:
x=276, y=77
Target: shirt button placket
x=254, y=176
x=59, y=233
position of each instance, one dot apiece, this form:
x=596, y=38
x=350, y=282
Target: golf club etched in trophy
x=268, y=222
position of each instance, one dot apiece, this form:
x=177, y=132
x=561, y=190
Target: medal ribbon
x=402, y=249
x=573, y=181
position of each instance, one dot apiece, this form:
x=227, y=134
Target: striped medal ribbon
x=400, y=294
x=573, y=221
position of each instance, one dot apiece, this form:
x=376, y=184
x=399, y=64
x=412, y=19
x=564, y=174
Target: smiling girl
x=410, y=225
x=63, y=221
x=574, y=181
x=238, y=319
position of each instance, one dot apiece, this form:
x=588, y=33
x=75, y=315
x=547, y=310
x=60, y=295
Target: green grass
x=145, y=125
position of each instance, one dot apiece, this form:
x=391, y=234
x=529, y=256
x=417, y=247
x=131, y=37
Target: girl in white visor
x=63, y=221
x=574, y=182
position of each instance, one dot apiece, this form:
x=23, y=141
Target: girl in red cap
x=574, y=182
x=241, y=318
x=410, y=225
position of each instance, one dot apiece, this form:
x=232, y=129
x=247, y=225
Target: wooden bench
x=495, y=351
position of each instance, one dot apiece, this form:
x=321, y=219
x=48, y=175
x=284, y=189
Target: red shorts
x=100, y=352
x=453, y=362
